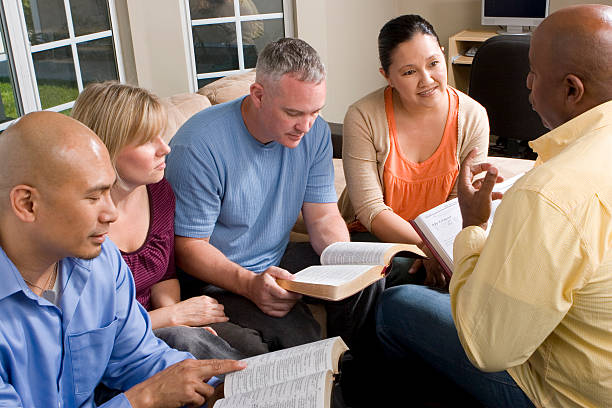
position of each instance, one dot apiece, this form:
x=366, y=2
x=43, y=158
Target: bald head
x=44, y=150
x=578, y=40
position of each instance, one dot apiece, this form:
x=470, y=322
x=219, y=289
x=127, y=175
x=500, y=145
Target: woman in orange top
x=403, y=144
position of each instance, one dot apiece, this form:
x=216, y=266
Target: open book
x=346, y=268
x=298, y=377
x=439, y=226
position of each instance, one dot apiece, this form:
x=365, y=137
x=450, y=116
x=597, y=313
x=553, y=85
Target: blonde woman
x=130, y=122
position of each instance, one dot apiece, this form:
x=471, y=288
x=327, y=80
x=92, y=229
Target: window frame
x=237, y=19
x=19, y=51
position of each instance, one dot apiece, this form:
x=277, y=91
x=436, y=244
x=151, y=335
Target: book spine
x=447, y=270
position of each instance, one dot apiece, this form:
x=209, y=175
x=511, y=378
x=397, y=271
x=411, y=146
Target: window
x=9, y=107
x=228, y=34
x=52, y=49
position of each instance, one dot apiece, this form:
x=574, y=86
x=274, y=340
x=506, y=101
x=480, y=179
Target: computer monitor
x=513, y=14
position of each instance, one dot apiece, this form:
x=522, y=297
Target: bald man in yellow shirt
x=529, y=318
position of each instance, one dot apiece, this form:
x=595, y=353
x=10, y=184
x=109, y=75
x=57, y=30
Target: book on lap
x=439, y=226
x=346, y=268
x=297, y=377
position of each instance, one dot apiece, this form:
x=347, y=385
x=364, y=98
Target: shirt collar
x=553, y=142
x=12, y=281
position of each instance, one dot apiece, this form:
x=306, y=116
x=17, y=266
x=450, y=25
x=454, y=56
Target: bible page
x=280, y=366
x=356, y=253
x=304, y=392
x=332, y=275
x=443, y=222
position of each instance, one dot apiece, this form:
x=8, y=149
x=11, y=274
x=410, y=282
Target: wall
x=557, y=4
x=345, y=32
x=125, y=38
x=160, y=36
x=451, y=16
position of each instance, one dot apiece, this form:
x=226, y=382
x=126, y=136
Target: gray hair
x=289, y=56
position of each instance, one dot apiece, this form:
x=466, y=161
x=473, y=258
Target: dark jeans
x=201, y=343
x=415, y=320
x=249, y=329
x=351, y=318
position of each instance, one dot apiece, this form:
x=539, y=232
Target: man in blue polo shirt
x=241, y=172
x=69, y=317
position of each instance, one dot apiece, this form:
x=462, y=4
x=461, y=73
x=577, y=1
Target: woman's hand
x=197, y=311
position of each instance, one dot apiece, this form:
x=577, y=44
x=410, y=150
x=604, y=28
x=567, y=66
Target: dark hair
x=398, y=30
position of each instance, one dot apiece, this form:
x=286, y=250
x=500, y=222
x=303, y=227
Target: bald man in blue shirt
x=69, y=317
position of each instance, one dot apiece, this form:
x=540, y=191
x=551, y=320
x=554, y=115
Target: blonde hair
x=120, y=114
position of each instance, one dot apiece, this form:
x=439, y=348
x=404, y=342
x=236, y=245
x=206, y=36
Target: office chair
x=497, y=82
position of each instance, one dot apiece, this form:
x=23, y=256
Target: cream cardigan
x=366, y=146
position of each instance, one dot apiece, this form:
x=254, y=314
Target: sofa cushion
x=228, y=88
x=180, y=108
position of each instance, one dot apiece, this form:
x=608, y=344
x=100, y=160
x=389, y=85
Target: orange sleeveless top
x=412, y=188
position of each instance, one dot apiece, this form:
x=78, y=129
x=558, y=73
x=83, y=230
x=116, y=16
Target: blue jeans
x=415, y=319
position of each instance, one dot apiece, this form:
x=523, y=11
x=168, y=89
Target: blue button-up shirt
x=54, y=356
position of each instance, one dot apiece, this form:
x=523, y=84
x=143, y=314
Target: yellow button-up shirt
x=535, y=297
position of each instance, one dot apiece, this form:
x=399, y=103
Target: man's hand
x=182, y=384
x=475, y=199
x=198, y=311
x=268, y=296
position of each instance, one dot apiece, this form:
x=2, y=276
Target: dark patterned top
x=153, y=262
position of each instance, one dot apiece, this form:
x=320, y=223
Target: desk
x=459, y=64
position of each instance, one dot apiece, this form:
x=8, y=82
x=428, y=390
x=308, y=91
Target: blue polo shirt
x=54, y=356
x=242, y=194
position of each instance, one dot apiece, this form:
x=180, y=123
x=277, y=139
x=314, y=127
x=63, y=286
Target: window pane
x=46, y=20
x=8, y=104
x=89, y=16
x=55, y=76
x=97, y=61
x=255, y=36
x=248, y=7
x=203, y=82
x=211, y=8
x=9, y=109
x=215, y=47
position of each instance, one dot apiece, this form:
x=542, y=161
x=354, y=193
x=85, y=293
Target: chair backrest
x=497, y=81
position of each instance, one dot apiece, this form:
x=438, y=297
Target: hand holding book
x=269, y=297
x=346, y=268
x=439, y=226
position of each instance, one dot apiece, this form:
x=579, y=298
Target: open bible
x=346, y=268
x=439, y=226
x=298, y=377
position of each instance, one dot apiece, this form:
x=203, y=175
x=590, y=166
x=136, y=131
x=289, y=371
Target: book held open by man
x=346, y=268
x=439, y=226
